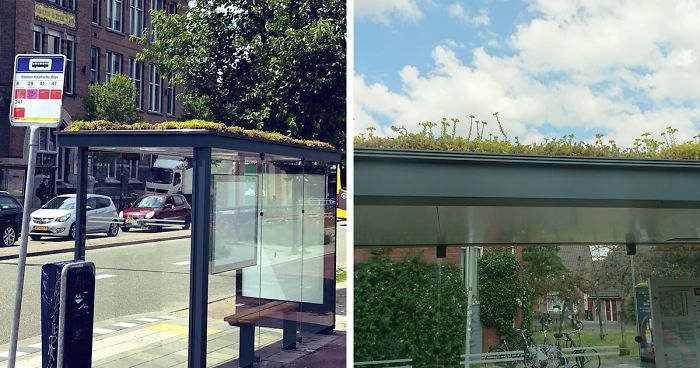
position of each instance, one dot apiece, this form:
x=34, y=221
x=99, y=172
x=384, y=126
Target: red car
x=155, y=211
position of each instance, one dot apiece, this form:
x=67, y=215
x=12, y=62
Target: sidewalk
x=54, y=245
x=160, y=340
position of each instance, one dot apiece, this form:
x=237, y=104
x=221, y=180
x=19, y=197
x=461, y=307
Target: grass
x=341, y=275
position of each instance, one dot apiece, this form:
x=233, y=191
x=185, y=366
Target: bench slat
x=253, y=310
x=253, y=315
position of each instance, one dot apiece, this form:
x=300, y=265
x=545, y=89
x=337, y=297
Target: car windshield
x=61, y=203
x=149, y=202
x=161, y=176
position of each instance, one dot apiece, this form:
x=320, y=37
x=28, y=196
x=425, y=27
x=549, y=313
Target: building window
x=71, y=4
x=64, y=166
x=170, y=109
x=94, y=65
x=136, y=17
x=70, y=65
x=155, y=5
x=96, y=12
x=172, y=8
x=114, y=65
x=114, y=14
x=53, y=44
x=38, y=40
x=136, y=75
x=154, y=90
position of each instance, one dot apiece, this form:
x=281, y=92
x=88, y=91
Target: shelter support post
x=199, y=258
x=247, y=345
x=81, y=204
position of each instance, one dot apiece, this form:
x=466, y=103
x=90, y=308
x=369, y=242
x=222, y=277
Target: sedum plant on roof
x=447, y=139
x=194, y=124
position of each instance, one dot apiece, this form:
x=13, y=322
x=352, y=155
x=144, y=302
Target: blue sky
x=549, y=67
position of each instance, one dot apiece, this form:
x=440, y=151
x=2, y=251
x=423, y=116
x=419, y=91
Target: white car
x=57, y=217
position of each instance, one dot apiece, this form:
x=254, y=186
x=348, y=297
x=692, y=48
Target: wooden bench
x=247, y=319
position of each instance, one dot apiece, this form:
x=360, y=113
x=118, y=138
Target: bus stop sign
x=37, y=90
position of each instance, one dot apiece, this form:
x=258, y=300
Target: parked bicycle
x=584, y=358
x=547, y=355
x=503, y=348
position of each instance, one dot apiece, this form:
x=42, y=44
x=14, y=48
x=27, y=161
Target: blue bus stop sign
x=37, y=90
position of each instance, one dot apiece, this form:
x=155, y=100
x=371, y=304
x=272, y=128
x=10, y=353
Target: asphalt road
x=132, y=279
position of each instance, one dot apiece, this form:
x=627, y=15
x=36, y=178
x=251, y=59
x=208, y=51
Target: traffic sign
x=37, y=90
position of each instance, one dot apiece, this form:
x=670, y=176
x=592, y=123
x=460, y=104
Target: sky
x=548, y=67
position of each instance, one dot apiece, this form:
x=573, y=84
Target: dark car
x=154, y=211
x=10, y=219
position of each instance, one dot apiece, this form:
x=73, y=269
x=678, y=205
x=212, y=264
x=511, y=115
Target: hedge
x=409, y=309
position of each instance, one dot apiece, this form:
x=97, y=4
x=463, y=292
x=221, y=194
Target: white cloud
x=383, y=10
x=620, y=68
x=457, y=11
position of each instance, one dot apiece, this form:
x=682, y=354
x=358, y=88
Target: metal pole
x=467, y=349
x=22, y=260
x=634, y=293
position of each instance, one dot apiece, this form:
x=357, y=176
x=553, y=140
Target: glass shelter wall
x=540, y=305
x=271, y=233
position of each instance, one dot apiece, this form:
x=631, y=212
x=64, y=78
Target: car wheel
x=188, y=223
x=71, y=233
x=9, y=236
x=35, y=237
x=113, y=229
x=125, y=229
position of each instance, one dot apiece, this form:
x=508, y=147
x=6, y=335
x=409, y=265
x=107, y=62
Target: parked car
x=10, y=219
x=57, y=217
x=153, y=211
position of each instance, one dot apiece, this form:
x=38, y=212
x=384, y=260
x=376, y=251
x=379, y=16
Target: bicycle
x=503, y=348
x=547, y=356
x=582, y=361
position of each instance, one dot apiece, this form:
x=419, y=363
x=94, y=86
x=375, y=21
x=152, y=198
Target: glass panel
x=236, y=185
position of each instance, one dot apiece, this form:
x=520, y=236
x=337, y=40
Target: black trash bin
x=589, y=315
x=67, y=313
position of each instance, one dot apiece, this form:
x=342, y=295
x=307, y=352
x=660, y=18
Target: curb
x=97, y=246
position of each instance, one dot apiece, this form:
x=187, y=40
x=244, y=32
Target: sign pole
x=29, y=185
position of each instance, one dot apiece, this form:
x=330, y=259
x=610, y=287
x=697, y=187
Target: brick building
x=95, y=37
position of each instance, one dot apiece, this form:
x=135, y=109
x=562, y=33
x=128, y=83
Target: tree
x=273, y=65
x=113, y=101
x=544, y=268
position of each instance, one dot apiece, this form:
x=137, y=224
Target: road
x=152, y=277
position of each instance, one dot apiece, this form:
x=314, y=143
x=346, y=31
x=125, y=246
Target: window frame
x=170, y=91
x=111, y=57
x=96, y=12
x=94, y=65
x=36, y=30
x=115, y=24
x=155, y=90
x=137, y=66
x=134, y=11
x=69, y=84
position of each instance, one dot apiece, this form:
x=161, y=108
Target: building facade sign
x=54, y=15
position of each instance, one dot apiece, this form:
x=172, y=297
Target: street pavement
x=142, y=291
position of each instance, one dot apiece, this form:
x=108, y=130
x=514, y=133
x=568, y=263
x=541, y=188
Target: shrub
x=112, y=101
x=409, y=309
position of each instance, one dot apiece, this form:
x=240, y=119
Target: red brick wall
x=429, y=254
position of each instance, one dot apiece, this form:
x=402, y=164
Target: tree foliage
x=113, y=101
x=409, y=309
x=545, y=269
x=273, y=65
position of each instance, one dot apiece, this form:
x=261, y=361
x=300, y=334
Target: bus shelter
x=441, y=203
x=263, y=216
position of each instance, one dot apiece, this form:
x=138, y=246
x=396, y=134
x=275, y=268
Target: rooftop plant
x=447, y=139
x=194, y=124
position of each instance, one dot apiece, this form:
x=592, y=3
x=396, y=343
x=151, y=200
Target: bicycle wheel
x=502, y=349
x=590, y=361
x=555, y=358
x=530, y=357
